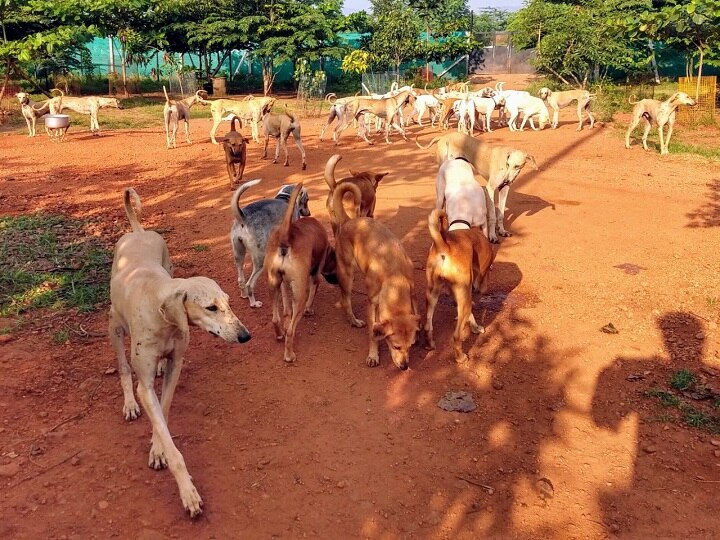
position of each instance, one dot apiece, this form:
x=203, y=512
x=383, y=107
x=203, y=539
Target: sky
x=351, y=6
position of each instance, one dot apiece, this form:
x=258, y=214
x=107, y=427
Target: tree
x=578, y=41
x=397, y=32
x=692, y=26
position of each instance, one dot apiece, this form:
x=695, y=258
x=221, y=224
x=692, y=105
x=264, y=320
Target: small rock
x=341, y=484
x=650, y=449
x=102, y=505
x=609, y=328
x=614, y=527
x=497, y=384
x=75, y=461
x=457, y=401
x=111, y=371
x=713, y=325
x=715, y=442
x=717, y=453
x=5, y=338
x=545, y=488
x=9, y=470
x=700, y=335
x=43, y=414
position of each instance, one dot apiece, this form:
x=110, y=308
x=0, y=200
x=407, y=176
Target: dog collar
x=283, y=197
x=461, y=221
x=462, y=158
x=505, y=183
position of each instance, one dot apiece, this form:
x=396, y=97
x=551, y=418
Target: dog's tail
x=133, y=209
x=436, y=139
x=499, y=86
x=438, y=225
x=284, y=227
x=330, y=171
x=167, y=99
x=630, y=100
x=338, y=194
x=235, y=201
x=232, y=123
x=329, y=97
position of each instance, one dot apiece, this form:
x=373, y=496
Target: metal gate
x=182, y=83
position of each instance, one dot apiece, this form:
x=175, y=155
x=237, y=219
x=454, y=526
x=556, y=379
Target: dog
x=235, y=146
x=499, y=165
x=558, y=100
x=250, y=109
x=175, y=111
x=484, y=107
x=460, y=258
x=156, y=310
x=295, y=257
x=341, y=110
x=389, y=280
x=460, y=195
x=425, y=102
x=252, y=227
x=281, y=126
x=89, y=105
x=530, y=106
x=661, y=113
x=366, y=181
x=31, y=113
x=385, y=108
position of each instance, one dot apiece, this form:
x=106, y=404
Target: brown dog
x=460, y=258
x=295, y=256
x=366, y=181
x=235, y=146
x=389, y=280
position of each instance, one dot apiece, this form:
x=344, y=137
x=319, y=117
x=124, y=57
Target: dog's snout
x=244, y=336
x=404, y=366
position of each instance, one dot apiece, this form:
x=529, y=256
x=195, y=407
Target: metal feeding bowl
x=56, y=125
x=57, y=121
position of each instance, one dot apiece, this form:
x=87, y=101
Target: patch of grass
x=5, y=331
x=712, y=301
x=60, y=337
x=200, y=247
x=679, y=147
x=667, y=399
x=682, y=379
x=698, y=419
x=50, y=261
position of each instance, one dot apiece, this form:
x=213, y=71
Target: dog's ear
x=246, y=139
x=382, y=329
x=173, y=311
x=530, y=159
x=380, y=176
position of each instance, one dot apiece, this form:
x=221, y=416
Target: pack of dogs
x=293, y=250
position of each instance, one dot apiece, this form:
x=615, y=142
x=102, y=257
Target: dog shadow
x=524, y=204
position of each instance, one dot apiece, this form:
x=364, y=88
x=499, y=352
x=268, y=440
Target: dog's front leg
x=299, y=144
x=373, y=358
x=345, y=281
x=502, y=200
x=116, y=332
x=491, y=211
x=267, y=141
x=188, y=493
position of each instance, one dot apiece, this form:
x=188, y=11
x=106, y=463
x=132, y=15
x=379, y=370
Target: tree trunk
x=123, y=65
x=268, y=75
x=29, y=79
x=653, y=61
x=700, y=66
x=7, y=78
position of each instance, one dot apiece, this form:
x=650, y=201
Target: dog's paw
x=131, y=411
x=477, y=329
x=462, y=358
x=506, y=234
x=372, y=361
x=357, y=323
x=309, y=312
x=290, y=357
x=191, y=500
x=494, y=239
x=157, y=459
x=256, y=303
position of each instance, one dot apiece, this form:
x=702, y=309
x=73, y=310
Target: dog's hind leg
x=116, y=331
x=431, y=296
x=299, y=300
x=646, y=132
x=238, y=249
x=258, y=260
x=299, y=144
x=277, y=320
x=187, y=131
x=461, y=292
x=345, y=281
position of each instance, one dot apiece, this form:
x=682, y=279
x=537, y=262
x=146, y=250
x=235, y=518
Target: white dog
x=461, y=196
x=530, y=106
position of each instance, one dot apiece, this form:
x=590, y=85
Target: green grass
x=49, y=261
x=682, y=379
x=691, y=415
x=60, y=337
x=200, y=247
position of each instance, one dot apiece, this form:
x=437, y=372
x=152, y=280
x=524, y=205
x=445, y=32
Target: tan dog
x=387, y=109
x=89, y=105
x=558, y=100
x=366, y=181
x=31, y=112
x=281, y=126
x=447, y=109
x=250, y=109
x=499, y=165
x=175, y=111
x=389, y=280
x=156, y=311
x=661, y=113
x=460, y=259
x=295, y=257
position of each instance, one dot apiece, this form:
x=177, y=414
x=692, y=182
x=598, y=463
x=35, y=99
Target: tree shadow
x=707, y=215
x=642, y=402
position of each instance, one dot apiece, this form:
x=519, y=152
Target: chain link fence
x=380, y=83
x=311, y=92
x=704, y=111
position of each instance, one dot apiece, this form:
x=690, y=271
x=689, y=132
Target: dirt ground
x=564, y=443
